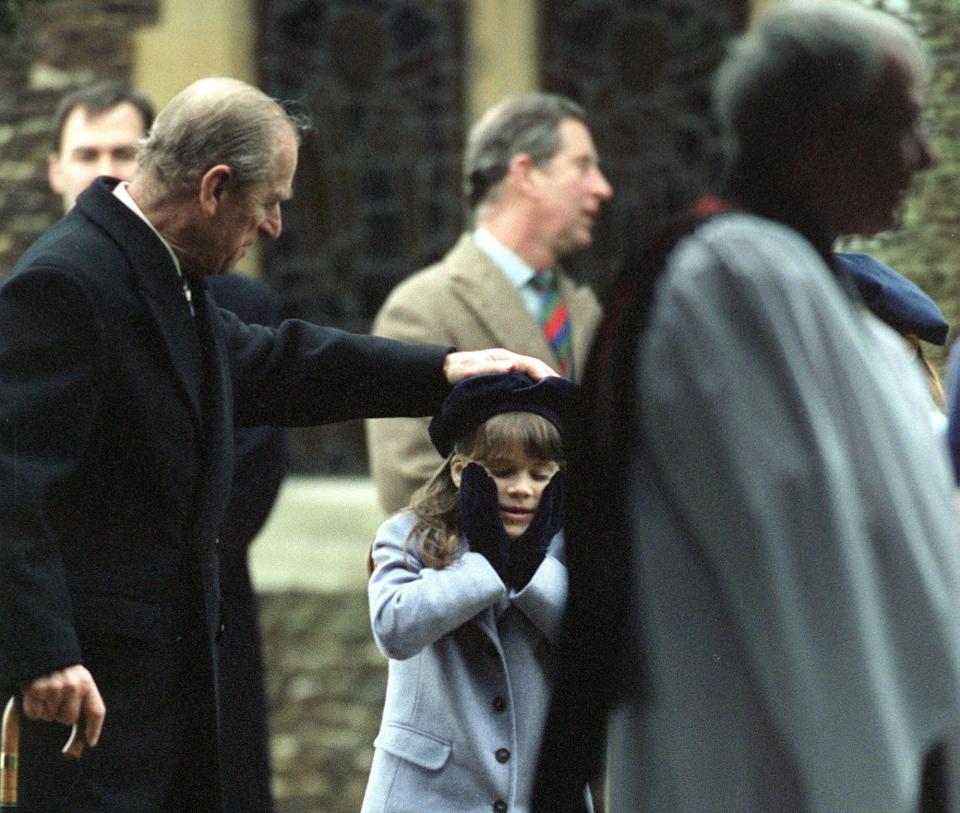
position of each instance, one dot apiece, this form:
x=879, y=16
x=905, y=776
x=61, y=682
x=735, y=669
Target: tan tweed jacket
x=466, y=301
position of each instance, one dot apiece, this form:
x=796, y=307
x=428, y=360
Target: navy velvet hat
x=893, y=298
x=475, y=399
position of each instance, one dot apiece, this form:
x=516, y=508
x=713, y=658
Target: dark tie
x=554, y=319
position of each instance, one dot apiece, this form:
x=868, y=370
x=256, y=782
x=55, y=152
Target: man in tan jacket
x=533, y=183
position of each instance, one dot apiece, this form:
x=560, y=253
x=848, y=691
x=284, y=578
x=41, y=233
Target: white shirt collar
x=120, y=191
x=514, y=268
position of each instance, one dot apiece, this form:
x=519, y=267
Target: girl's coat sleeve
x=412, y=605
x=545, y=596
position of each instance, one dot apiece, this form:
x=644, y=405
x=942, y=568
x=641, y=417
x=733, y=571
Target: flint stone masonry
x=58, y=47
x=325, y=684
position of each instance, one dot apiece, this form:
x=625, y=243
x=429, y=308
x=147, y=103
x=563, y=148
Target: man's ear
x=521, y=174
x=55, y=173
x=213, y=185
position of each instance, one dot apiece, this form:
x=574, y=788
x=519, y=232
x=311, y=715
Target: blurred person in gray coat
x=763, y=560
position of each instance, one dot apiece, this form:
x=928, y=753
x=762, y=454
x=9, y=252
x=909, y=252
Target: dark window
x=377, y=188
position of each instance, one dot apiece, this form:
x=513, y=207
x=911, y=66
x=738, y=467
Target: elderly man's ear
x=213, y=185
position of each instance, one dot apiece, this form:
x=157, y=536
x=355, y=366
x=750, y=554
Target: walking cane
x=10, y=751
x=9, y=754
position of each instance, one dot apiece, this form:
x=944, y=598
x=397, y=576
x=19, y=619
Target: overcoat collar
x=157, y=280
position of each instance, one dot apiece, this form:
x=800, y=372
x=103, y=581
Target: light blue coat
x=468, y=685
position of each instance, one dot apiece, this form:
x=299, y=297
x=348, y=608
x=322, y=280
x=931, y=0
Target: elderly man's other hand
x=67, y=696
x=464, y=364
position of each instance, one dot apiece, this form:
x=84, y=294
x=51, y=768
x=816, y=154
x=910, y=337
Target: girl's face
x=520, y=482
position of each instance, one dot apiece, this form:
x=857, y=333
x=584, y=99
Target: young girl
x=466, y=595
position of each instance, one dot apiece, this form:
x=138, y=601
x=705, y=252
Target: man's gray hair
x=802, y=59
x=525, y=123
x=216, y=121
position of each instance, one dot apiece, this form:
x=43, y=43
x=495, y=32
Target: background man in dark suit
x=98, y=128
x=533, y=183
x=120, y=385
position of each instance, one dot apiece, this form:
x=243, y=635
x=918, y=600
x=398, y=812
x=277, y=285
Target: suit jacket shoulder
x=465, y=299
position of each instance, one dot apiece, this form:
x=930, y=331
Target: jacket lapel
x=158, y=282
x=494, y=302
x=584, y=313
x=487, y=622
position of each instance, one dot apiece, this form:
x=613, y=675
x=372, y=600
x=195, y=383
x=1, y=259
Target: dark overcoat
x=260, y=458
x=117, y=410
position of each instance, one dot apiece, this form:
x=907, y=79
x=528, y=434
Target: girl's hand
x=480, y=521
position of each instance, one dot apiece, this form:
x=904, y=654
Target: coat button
x=499, y=806
x=502, y=755
x=499, y=703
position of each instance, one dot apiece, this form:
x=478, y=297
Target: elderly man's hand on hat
x=466, y=363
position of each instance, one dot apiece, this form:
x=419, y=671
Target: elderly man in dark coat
x=120, y=385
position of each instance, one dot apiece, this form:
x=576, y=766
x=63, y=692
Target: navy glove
x=480, y=520
x=527, y=550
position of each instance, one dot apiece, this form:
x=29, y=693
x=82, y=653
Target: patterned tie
x=554, y=319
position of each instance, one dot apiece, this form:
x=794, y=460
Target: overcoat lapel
x=180, y=340
x=159, y=284
x=218, y=421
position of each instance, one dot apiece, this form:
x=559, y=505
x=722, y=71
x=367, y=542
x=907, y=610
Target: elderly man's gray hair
x=525, y=123
x=216, y=121
x=804, y=58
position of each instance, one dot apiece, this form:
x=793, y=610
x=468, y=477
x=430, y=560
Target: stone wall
x=58, y=46
x=325, y=684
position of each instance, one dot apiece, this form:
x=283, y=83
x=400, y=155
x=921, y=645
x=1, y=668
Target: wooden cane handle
x=9, y=754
